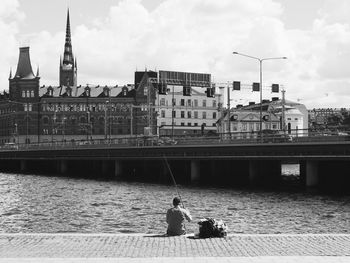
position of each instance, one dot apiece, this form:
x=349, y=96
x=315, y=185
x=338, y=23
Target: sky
x=113, y=38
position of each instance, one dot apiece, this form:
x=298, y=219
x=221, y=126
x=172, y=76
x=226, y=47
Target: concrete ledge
x=149, y=246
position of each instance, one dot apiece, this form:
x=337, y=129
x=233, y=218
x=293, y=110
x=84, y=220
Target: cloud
x=199, y=36
x=10, y=16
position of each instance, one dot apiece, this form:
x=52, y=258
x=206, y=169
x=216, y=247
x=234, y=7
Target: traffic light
x=256, y=86
x=211, y=91
x=236, y=85
x=275, y=88
x=162, y=88
x=187, y=90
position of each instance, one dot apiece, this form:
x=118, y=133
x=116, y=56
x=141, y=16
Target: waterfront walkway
x=157, y=248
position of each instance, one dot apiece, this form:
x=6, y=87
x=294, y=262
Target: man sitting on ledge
x=175, y=217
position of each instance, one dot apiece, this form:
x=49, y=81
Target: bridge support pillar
x=104, y=167
x=117, y=169
x=63, y=166
x=23, y=165
x=195, y=171
x=312, y=177
x=265, y=173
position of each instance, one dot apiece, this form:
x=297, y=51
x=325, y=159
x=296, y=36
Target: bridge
x=324, y=160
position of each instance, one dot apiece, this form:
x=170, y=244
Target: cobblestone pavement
x=157, y=248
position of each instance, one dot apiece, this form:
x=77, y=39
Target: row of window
x=189, y=114
x=98, y=107
x=188, y=124
x=83, y=119
x=188, y=103
x=27, y=93
x=113, y=131
x=253, y=126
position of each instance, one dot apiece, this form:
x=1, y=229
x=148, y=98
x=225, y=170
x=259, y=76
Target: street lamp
x=260, y=84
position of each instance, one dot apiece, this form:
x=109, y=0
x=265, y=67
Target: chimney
x=251, y=103
x=275, y=98
x=239, y=106
x=265, y=101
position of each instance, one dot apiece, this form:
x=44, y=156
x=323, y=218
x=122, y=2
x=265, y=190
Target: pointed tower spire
x=37, y=72
x=68, y=54
x=10, y=77
x=68, y=68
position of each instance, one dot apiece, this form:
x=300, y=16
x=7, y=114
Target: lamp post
x=261, y=79
x=106, y=131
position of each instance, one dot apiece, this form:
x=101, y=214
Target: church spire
x=68, y=68
x=68, y=53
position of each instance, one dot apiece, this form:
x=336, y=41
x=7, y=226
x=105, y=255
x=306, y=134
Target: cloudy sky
x=113, y=38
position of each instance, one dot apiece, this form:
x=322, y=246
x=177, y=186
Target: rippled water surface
x=40, y=204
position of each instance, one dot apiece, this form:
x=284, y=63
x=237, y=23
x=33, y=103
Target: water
x=40, y=204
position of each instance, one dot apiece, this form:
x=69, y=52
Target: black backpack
x=209, y=227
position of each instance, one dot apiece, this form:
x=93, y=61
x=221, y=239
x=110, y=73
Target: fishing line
x=173, y=178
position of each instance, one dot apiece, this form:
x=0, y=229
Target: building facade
x=246, y=119
x=30, y=113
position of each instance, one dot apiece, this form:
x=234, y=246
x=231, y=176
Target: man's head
x=176, y=201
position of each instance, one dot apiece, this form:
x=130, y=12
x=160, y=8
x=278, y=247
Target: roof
x=83, y=91
x=24, y=67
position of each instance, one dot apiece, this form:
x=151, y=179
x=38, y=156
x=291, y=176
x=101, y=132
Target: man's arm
x=167, y=216
x=187, y=214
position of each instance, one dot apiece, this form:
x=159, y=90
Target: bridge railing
x=267, y=136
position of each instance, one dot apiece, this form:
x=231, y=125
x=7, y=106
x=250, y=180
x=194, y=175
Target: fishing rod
x=173, y=178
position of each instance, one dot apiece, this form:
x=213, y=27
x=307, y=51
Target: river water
x=49, y=204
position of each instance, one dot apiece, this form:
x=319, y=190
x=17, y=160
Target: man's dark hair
x=176, y=201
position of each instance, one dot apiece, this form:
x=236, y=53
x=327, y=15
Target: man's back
x=175, y=218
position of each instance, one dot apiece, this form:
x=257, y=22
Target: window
x=296, y=119
x=182, y=102
x=45, y=120
x=204, y=103
x=189, y=103
x=196, y=103
x=174, y=101
x=204, y=115
x=182, y=114
x=274, y=126
x=244, y=127
x=214, y=115
x=214, y=103
x=195, y=114
x=174, y=114
x=189, y=114
x=195, y=124
x=162, y=102
x=182, y=124
x=189, y=124
x=162, y=114
x=289, y=119
x=32, y=93
x=23, y=93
